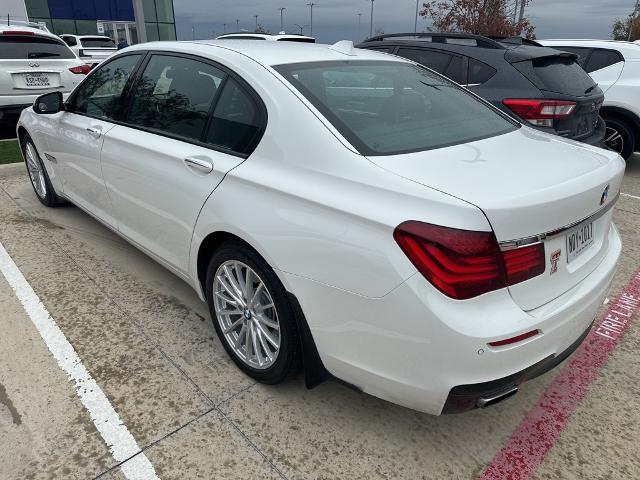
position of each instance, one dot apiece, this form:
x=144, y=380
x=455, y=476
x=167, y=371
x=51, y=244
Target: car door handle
x=201, y=164
x=94, y=131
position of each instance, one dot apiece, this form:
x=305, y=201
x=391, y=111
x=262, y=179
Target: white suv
x=616, y=68
x=33, y=62
x=91, y=49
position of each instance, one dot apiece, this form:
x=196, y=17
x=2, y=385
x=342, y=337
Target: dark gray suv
x=542, y=87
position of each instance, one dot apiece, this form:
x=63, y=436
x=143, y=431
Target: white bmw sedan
x=341, y=210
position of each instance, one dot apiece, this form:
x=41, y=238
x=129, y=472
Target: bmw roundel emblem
x=605, y=194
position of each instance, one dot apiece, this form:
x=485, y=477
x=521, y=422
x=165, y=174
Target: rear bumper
x=468, y=397
x=596, y=139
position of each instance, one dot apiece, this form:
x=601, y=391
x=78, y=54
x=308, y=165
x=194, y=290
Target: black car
x=542, y=87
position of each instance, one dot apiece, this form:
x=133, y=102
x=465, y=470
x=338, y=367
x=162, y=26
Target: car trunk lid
x=530, y=184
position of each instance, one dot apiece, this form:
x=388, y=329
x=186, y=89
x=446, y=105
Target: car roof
x=272, y=53
x=32, y=30
x=495, y=55
x=629, y=50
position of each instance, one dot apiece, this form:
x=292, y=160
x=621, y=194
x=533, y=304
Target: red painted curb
x=530, y=442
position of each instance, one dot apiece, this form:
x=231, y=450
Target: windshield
x=97, y=42
x=388, y=108
x=17, y=47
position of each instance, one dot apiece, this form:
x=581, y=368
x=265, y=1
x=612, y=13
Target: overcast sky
x=337, y=19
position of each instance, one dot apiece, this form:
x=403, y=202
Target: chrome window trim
x=532, y=240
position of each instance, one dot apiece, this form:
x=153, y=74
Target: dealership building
x=132, y=20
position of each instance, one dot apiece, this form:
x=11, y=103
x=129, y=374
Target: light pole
x=224, y=28
x=311, y=5
x=415, y=28
x=237, y=24
x=359, y=22
x=282, y=9
x=371, y=23
x=256, y=17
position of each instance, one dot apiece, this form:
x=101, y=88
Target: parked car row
x=34, y=61
x=351, y=212
x=568, y=87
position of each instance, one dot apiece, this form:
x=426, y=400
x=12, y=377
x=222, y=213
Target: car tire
x=234, y=307
x=620, y=137
x=38, y=174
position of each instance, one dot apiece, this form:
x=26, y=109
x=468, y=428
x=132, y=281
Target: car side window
x=173, y=95
x=581, y=52
x=479, y=72
x=600, y=59
x=99, y=95
x=381, y=49
x=71, y=41
x=237, y=120
x=456, y=70
x=437, y=61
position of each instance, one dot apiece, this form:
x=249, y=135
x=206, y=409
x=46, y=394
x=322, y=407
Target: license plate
x=578, y=240
x=36, y=79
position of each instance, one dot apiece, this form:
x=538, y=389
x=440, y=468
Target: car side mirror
x=48, y=103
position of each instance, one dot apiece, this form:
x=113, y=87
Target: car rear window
x=389, y=108
x=557, y=74
x=16, y=47
x=97, y=42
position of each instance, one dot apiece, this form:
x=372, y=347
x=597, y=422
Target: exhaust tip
x=487, y=401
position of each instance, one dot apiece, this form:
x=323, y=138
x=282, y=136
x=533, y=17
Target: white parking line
x=630, y=196
x=115, y=434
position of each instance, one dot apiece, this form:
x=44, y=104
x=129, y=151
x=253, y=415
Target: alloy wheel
x=246, y=314
x=614, y=140
x=35, y=170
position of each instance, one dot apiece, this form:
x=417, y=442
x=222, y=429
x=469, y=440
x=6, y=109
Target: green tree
x=482, y=17
x=622, y=27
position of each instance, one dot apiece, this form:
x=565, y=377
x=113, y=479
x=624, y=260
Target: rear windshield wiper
x=590, y=89
x=42, y=54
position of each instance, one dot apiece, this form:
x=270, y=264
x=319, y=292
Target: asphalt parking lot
x=147, y=341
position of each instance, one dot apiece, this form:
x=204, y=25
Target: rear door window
x=237, y=120
x=173, y=95
x=16, y=47
x=600, y=59
x=451, y=66
x=437, y=61
x=97, y=42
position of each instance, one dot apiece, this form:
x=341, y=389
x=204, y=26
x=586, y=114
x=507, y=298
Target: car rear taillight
x=462, y=263
x=524, y=263
x=540, y=113
x=81, y=69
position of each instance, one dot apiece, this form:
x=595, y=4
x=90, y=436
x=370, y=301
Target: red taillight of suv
x=540, y=113
x=463, y=264
x=81, y=69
